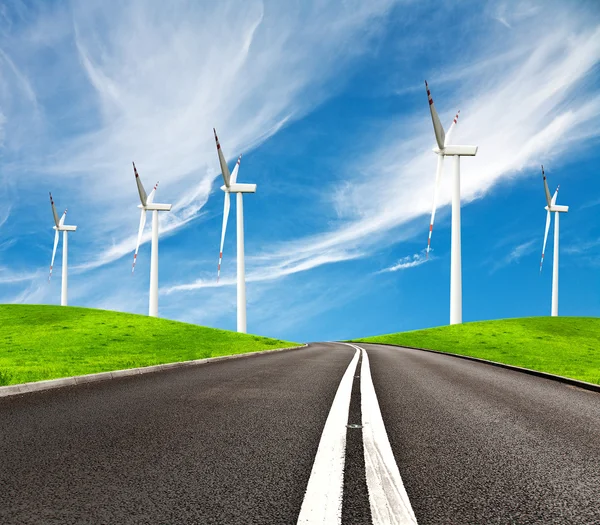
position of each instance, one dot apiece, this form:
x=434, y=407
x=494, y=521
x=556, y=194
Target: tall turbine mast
x=550, y=208
x=148, y=204
x=444, y=149
x=232, y=186
x=60, y=226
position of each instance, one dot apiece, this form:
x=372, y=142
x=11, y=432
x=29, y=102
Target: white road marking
x=323, y=499
x=387, y=496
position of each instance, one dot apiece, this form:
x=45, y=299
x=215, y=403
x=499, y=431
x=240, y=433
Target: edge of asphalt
x=546, y=375
x=38, y=386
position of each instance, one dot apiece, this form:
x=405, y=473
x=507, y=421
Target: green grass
x=45, y=342
x=566, y=346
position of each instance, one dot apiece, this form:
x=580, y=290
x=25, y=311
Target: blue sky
x=327, y=104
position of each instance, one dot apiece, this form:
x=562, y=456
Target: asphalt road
x=227, y=442
x=234, y=442
x=479, y=444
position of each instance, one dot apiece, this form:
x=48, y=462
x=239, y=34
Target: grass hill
x=45, y=342
x=566, y=346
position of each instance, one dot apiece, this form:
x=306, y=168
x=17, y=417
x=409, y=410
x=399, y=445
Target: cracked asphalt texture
x=479, y=444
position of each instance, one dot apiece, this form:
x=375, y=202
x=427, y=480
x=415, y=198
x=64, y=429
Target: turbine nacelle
x=461, y=151
x=65, y=228
x=155, y=206
x=239, y=188
x=557, y=208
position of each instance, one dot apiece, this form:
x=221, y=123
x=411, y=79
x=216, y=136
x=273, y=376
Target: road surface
x=239, y=441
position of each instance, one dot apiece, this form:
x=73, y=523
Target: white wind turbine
x=60, y=226
x=232, y=186
x=444, y=149
x=552, y=207
x=148, y=204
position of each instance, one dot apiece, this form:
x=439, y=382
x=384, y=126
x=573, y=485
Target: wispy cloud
x=4, y=212
x=582, y=247
x=263, y=272
x=409, y=261
x=22, y=81
x=2, y=122
x=531, y=111
x=510, y=14
x=7, y=276
x=514, y=255
x=590, y=204
x=34, y=293
x=163, y=77
x=149, y=81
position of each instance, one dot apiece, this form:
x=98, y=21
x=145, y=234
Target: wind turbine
x=148, y=204
x=232, y=186
x=444, y=149
x=552, y=207
x=60, y=226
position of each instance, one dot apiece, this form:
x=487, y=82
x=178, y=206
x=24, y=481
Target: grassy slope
x=46, y=342
x=567, y=346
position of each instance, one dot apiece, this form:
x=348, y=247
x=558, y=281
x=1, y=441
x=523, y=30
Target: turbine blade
x=545, y=239
x=150, y=198
x=438, y=183
x=53, y=253
x=140, y=186
x=139, y=239
x=226, y=206
x=451, y=130
x=437, y=125
x=553, y=201
x=56, y=221
x=548, y=198
x=62, y=219
x=234, y=173
x=224, y=168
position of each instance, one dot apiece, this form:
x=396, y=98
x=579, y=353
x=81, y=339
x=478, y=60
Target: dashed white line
x=323, y=499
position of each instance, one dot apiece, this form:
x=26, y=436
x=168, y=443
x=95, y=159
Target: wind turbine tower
x=148, y=204
x=443, y=150
x=552, y=207
x=232, y=186
x=60, y=226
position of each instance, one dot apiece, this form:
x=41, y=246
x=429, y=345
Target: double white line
x=387, y=497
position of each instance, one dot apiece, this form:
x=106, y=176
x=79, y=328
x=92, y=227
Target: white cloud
x=510, y=14
x=153, y=79
x=590, y=204
x=520, y=250
x=515, y=254
x=22, y=80
x=2, y=122
x=519, y=116
x=163, y=77
x=7, y=276
x=582, y=248
x=263, y=272
x=148, y=81
x=410, y=261
x=4, y=213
